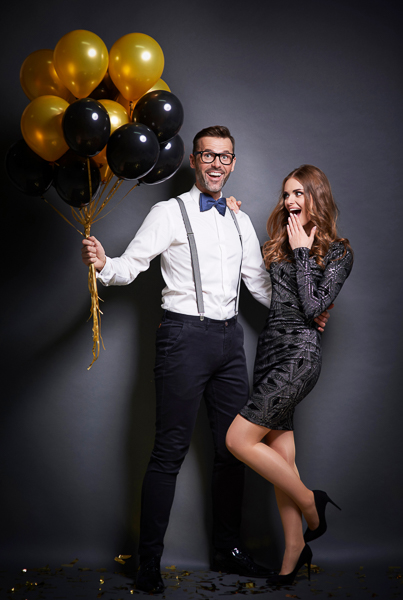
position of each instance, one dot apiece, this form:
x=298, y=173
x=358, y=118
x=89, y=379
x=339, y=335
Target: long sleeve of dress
x=316, y=294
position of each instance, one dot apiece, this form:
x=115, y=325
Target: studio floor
x=74, y=580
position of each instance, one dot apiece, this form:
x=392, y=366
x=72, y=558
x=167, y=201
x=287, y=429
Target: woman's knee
x=242, y=436
x=231, y=441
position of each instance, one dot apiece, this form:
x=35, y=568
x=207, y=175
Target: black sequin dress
x=288, y=357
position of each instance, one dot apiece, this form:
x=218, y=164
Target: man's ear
x=233, y=164
x=192, y=161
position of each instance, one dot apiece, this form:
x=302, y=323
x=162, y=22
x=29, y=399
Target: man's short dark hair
x=218, y=131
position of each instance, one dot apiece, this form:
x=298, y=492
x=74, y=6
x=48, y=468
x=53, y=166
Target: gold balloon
x=38, y=77
x=81, y=61
x=106, y=173
x=41, y=126
x=136, y=62
x=118, y=117
x=160, y=85
x=126, y=103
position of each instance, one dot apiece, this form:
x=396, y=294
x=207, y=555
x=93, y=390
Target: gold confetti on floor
x=73, y=581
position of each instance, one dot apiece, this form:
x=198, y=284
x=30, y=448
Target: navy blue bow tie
x=206, y=202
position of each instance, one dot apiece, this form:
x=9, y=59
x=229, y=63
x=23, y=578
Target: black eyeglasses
x=206, y=156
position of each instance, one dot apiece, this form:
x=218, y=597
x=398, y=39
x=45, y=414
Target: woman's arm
x=316, y=297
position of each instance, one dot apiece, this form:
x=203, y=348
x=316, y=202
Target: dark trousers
x=194, y=359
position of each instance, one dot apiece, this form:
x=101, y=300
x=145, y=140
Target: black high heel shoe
x=304, y=558
x=321, y=499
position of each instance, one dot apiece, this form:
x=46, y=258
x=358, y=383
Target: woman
x=308, y=264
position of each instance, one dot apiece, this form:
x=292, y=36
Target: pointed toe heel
x=334, y=503
x=321, y=500
x=304, y=558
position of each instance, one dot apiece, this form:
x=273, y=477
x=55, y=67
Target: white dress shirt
x=219, y=250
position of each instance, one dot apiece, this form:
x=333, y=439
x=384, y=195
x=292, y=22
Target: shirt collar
x=195, y=194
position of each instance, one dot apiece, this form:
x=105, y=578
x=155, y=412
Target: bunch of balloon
x=162, y=112
x=95, y=120
x=136, y=63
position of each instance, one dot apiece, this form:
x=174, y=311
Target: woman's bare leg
x=283, y=443
x=244, y=440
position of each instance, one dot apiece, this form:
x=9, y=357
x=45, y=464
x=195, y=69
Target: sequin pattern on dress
x=288, y=357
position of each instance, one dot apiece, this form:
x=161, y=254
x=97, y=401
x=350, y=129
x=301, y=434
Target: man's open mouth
x=215, y=174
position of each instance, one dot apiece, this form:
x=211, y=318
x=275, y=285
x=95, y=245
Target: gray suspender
x=195, y=259
x=240, y=266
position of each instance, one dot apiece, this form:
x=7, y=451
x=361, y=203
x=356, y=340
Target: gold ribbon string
x=77, y=216
x=112, y=209
x=62, y=215
x=109, y=197
x=86, y=216
x=95, y=203
x=89, y=179
x=95, y=311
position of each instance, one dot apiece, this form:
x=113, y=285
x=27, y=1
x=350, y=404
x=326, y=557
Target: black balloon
x=101, y=92
x=106, y=90
x=132, y=151
x=72, y=182
x=30, y=173
x=169, y=161
x=162, y=112
x=86, y=127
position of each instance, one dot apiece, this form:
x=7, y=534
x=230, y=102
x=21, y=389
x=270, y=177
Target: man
x=199, y=350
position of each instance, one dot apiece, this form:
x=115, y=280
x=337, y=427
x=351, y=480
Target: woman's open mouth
x=295, y=211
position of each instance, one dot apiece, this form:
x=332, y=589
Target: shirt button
x=226, y=323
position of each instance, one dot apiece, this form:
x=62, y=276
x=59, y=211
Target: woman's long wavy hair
x=322, y=211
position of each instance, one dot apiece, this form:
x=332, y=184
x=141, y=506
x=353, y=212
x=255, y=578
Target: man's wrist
x=99, y=269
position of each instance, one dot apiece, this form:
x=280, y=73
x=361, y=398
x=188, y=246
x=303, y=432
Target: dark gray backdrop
x=296, y=82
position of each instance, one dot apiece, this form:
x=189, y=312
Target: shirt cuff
x=105, y=275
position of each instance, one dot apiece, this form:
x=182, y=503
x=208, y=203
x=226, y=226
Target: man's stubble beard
x=200, y=178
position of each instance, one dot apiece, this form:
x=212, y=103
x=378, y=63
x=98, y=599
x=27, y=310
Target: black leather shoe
x=148, y=577
x=238, y=562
